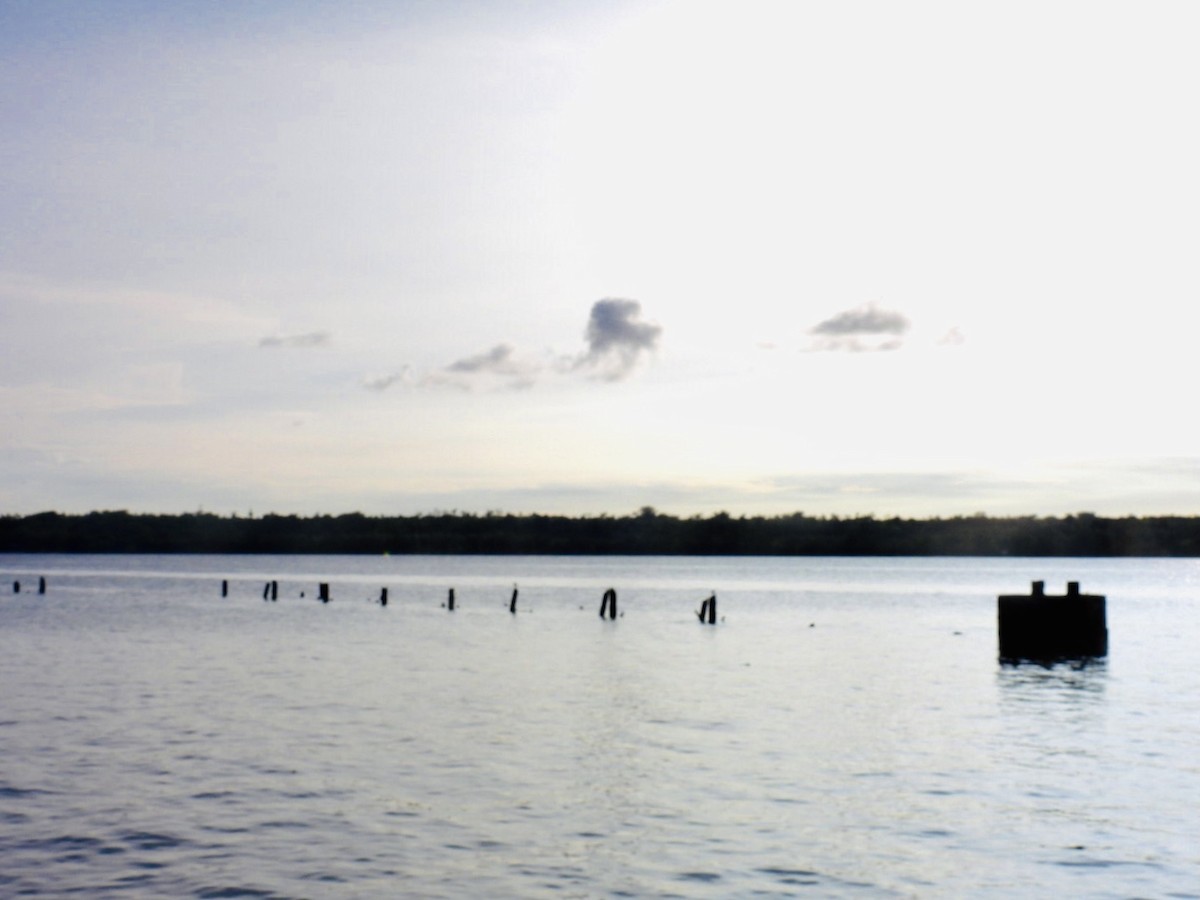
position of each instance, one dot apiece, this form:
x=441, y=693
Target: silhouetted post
x=1043, y=628
x=712, y=610
x=42, y=584
x=16, y=587
x=383, y=596
x=323, y=592
x=267, y=591
x=512, y=606
x=274, y=590
x=608, y=605
x=450, y=601
x=224, y=587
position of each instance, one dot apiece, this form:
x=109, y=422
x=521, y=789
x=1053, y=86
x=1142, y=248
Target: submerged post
x=224, y=587
x=707, y=614
x=323, y=591
x=608, y=604
x=512, y=605
x=1045, y=628
x=42, y=584
x=16, y=587
x=274, y=590
x=383, y=596
x=450, y=601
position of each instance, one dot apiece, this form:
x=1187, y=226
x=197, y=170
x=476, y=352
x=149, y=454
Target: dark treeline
x=646, y=532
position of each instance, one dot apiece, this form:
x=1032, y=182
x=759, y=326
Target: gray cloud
x=865, y=329
x=311, y=339
x=383, y=382
x=617, y=339
x=501, y=363
x=867, y=319
x=500, y=360
x=616, y=342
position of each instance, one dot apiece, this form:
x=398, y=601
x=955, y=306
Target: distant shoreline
x=644, y=533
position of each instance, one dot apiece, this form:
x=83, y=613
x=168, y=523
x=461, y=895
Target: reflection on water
x=1052, y=709
x=1027, y=679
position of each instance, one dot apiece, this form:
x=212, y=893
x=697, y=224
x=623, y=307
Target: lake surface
x=844, y=730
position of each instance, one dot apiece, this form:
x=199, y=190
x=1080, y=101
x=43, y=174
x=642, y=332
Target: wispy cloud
x=865, y=329
x=952, y=338
x=307, y=340
x=383, y=382
x=617, y=340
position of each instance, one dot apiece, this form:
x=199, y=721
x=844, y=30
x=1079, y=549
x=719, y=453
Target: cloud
x=617, y=339
x=500, y=360
x=865, y=329
x=952, y=338
x=310, y=339
x=867, y=319
x=497, y=365
x=383, y=382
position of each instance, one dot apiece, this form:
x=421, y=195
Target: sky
x=901, y=259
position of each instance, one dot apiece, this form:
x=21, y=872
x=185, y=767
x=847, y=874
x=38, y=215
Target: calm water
x=846, y=730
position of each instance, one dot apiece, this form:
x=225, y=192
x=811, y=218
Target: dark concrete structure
x=1044, y=628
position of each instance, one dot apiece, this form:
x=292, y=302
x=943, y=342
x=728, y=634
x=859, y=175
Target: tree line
x=644, y=532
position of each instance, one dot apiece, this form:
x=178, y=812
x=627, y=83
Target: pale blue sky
x=913, y=259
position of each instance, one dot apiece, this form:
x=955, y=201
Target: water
x=846, y=730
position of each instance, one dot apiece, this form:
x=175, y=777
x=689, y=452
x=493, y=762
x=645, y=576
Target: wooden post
x=323, y=592
x=224, y=587
x=608, y=605
x=512, y=605
x=275, y=590
x=712, y=610
x=267, y=591
x=450, y=601
x=42, y=584
x=16, y=587
x=383, y=596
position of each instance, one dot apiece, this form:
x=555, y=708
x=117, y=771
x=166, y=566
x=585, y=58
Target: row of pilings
x=707, y=613
x=1035, y=627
